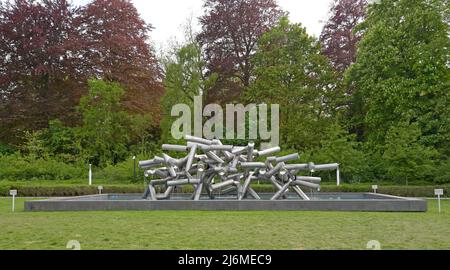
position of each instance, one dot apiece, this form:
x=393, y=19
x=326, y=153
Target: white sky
x=168, y=16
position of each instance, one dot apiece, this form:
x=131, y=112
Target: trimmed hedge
x=63, y=190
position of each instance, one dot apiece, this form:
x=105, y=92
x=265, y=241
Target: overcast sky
x=167, y=16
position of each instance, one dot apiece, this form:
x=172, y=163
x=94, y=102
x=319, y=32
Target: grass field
x=223, y=230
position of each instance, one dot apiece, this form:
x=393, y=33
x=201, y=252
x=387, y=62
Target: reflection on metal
x=217, y=169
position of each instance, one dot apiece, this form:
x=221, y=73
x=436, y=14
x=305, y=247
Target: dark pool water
x=291, y=196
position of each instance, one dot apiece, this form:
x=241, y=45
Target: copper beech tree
x=230, y=31
x=339, y=36
x=50, y=48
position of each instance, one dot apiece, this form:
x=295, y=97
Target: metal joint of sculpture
x=215, y=168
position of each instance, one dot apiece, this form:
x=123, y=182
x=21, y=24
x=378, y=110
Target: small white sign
x=374, y=187
x=100, y=187
x=13, y=192
x=438, y=192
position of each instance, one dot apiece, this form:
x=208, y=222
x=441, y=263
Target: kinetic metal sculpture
x=227, y=169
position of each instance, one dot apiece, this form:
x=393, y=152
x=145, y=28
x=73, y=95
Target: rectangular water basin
x=318, y=202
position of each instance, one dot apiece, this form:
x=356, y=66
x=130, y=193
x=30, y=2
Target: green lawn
x=223, y=230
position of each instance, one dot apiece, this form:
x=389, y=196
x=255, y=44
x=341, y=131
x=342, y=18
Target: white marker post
x=375, y=188
x=100, y=188
x=438, y=193
x=90, y=174
x=338, y=176
x=13, y=193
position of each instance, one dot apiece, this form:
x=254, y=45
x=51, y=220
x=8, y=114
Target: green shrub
x=16, y=167
x=6, y=149
x=122, y=172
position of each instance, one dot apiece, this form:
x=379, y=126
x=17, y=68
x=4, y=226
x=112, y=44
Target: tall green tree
x=402, y=71
x=290, y=71
x=405, y=158
x=106, y=126
x=184, y=79
x=339, y=146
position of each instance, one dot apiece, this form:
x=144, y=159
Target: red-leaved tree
x=39, y=60
x=118, y=50
x=230, y=31
x=48, y=50
x=338, y=36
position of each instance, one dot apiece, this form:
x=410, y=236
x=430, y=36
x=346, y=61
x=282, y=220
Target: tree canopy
x=51, y=48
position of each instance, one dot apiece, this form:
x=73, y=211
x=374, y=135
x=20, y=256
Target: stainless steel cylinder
x=222, y=184
x=276, y=169
x=252, y=165
x=172, y=147
x=250, y=148
x=253, y=193
x=150, y=163
x=309, y=179
x=326, y=167
x=246, y=186
x=214, y=157
x=297, y=166
x=281, y=192
x=300, y=193
x=182, y=182
x=288, y=158
x=197, y=140
x=239, y=150
x=190, y=158
x=269, y=151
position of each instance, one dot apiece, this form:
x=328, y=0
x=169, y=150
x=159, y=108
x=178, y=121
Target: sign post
x=13, y=193
x=90, y=174
x=100, y=188
x=134, y=168
x=438, y=193
x=375, y=188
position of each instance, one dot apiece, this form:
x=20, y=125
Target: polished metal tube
x=197, y=140
x=190, y=158
x=253, y=193
x=166, y=194
x=182, y=182
x=198, y=192
x=287, y=158
x=215, y=157
x=269, y=151
x=238, y=150
x=309, y=179
x=179, y=162
x=162, y=172
x=246, y=185
x=159, y=182
x=152, y=193
x=300, y=193
x=151, y=163
x=326, y=167
x=172, y=147
x=229, y=190
x=297, y=167
x=222, y=184
x=276, y=169
x=218, y=148
x=275, y=183
x=281, y=191
x=250, y=148
x=253, y=165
